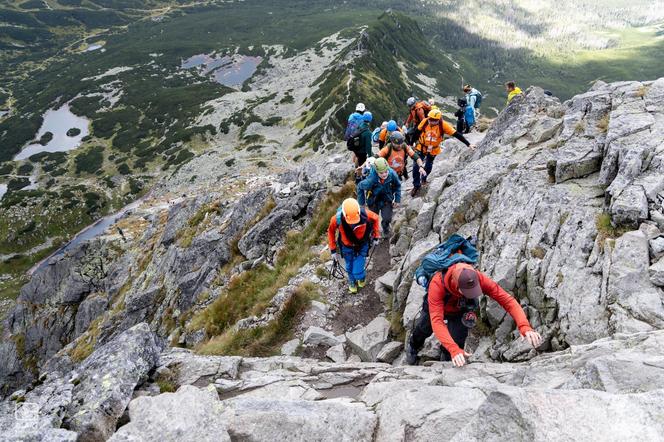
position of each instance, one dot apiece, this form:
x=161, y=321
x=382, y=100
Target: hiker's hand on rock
x=473, y=146
x=376, y=241
x=533, y=338
x=460, y=359
x=335, y=257
x=423, y=172
x=395, y=205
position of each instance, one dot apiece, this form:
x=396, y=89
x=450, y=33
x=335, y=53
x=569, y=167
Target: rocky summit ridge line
x=566, y=202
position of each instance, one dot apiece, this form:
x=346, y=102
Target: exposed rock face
x=90, y=400
x=601, y=389
x=170, y=266
x=534, y=194
x=537, y=194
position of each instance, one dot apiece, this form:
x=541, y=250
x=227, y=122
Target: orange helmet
x=351, y=210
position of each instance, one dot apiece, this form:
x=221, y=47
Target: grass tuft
x=249, y=292
x=267, y=340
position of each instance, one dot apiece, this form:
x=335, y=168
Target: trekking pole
x=371, y=252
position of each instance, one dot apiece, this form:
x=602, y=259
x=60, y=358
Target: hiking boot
x=352, y=288
x=361, y=284
x=411, y=355
x=415, y=190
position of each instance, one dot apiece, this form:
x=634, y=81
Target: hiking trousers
x=423, y=330
x=428, y=165
x=385, y=211
x=355, y=262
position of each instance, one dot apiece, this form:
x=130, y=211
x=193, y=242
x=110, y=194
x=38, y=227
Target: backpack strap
x=350, y=233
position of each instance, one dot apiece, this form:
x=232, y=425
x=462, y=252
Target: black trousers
x=385, y=212
x=423, y=330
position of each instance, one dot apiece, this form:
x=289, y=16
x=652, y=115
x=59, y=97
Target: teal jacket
x=365, y=140
x=373, y=193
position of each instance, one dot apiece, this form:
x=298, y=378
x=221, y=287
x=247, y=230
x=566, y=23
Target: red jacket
x=437, y=308
x=359, y=230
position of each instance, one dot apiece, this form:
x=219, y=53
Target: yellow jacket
x=517, y=91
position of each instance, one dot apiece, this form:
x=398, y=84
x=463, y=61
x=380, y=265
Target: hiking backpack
x=453, y=251
x=405, y=159
x=350, y=234
x=353, y=126
x=376, y=134
x=478, y=98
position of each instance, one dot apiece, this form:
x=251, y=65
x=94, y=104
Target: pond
x=93, y=47
x=230, y=71
x=58, y=122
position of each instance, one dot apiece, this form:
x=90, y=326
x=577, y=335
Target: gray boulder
x=269, y=420
x=390, y=352
x=190, y=414
x=368, y=341
x=315, y=336
x=107, y=380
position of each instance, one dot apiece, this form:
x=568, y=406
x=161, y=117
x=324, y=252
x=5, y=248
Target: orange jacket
x=438, y=308
x=418, y=113
x=397, y=159
x=431, y=137
x=359, y=230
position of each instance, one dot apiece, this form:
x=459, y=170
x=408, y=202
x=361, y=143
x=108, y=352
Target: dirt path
x=362, y=308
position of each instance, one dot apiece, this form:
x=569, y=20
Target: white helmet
x=360, y=107
x=384, y=124
x=371, y=161
x=410, y=101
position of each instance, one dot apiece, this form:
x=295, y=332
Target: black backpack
x=354, y=142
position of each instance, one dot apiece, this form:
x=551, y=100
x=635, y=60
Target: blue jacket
x=372, y=192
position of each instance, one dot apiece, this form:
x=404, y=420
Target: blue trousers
x=355, y=262
x=428, y=165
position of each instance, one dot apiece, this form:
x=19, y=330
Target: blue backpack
x=453, y=251
x=353, y=128
x=478, y=98
x=375, y=134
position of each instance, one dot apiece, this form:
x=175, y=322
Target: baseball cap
x=468, y=282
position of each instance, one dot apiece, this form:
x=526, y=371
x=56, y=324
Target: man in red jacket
x=448, y=310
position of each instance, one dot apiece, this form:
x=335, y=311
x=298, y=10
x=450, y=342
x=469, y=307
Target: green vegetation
x=264, y=341
x=606, y=229
x=90, y=161
x=250, y=292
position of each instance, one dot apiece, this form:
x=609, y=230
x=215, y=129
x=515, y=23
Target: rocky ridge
x=566, y=202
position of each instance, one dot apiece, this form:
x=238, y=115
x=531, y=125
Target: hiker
x=418, y=113
x=453, y=292
x=384, y=135
x=381, y=191
x=375, y=135
x=430, y=136
x=512, y=91
x=474, y=99
x=463, y=115
x=358, y=138
x=396, y=152
x=357, y=227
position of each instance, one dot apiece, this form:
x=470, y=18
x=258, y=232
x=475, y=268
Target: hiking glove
x=335, y=256
x=422, y=280
x=376, y=241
